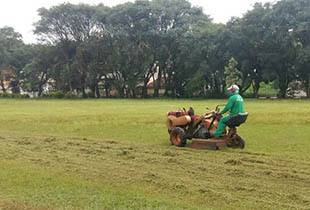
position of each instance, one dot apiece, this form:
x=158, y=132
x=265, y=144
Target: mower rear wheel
x=238, y=142
x=177, y=137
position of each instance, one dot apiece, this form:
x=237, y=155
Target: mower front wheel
x=238, y=143
x=178, y=137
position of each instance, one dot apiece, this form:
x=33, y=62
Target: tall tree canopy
x=168, y=46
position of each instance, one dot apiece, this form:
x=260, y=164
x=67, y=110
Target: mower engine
x=180, y=118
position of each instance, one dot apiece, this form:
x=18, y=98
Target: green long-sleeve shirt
x=235, y=105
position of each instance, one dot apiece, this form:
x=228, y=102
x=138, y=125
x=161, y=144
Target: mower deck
x=211, y=144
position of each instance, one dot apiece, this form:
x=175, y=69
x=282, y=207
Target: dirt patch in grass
x=20, y=205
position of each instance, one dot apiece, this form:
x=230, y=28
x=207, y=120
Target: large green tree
x=68, y=26
x=301, y=31
x=120, y=47
x=14, y=56
x=253, y=29
x=41, y=69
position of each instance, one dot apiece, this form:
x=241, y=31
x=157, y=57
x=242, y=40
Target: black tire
x=238, y=143
x=178, y=137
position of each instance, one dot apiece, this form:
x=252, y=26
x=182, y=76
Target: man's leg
x=221, y=126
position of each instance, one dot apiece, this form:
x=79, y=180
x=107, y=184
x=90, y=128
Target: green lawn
x=115, y=154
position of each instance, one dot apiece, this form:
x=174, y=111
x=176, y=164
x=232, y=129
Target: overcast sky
x=21, y=14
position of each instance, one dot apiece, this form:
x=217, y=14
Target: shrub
x=5, y=95
x=13, y=95
x=90, y=95
x=25, y=96
x=57, y=94
x=70, y=95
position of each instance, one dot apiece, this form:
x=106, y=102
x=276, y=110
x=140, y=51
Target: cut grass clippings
x=115, y=154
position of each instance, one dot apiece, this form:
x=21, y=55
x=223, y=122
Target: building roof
x=7, y=72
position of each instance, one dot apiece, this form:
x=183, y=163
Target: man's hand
x=218, y=115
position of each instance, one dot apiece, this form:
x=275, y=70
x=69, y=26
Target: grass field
x=115, y=154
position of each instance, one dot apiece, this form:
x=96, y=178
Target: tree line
x=95, y=49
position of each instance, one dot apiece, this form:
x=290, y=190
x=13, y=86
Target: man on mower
x=235, y=105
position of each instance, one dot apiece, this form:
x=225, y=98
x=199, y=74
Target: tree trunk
x=157, y=84
x=224, y=87
x=168, y=85
x=42, y=82
x=256, y=86
x=246, y=84
x=2, y=86
x=283, y=85
x=93, y=91
x=144, y=91
x=307, y=86
x=15, y=86
x=121, y=92
x=176, y=87
x=216, y=85
x=147, y=78
x=133, y=93
x=83, y=79
x=97, y=91
x=144, y=88
x=40, y=91
x=70, y=86
x=107, y=92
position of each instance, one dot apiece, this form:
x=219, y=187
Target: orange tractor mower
x=184, y=125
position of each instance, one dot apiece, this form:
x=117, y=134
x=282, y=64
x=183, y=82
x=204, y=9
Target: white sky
x=21, y=14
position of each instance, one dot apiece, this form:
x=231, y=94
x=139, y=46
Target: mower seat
x=237, y=120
